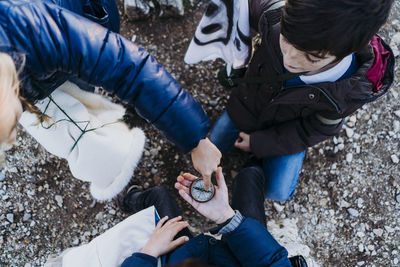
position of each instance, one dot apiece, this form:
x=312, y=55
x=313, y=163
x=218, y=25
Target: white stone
x=395, y=159
x=361, y=247
x=378, y=231
x=396, y=126
x=360, y=234
x=10, y=217
x=349, y=132
x=349, y=157
x=278, y=207
x=397, y=113
x=353, y=212
x=59, y=200
x=371, y=247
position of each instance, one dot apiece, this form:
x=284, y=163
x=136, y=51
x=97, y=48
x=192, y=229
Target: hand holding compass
x=217, y=208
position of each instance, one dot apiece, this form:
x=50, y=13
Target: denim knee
x=281, y=195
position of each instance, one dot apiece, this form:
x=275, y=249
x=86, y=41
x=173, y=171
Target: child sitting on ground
x=340, y=64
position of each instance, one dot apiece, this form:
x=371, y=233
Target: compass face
x=198, y=192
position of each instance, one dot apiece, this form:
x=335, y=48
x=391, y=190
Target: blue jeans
x=281, y=172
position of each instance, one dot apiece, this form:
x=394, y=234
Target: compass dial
x=198, y=192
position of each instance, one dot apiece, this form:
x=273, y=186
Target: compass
x=198, y=192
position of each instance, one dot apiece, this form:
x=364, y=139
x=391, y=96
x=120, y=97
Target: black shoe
x=126, y=203
x=298, y=261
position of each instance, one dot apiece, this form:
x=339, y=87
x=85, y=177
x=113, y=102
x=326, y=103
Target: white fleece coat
x=105, y=157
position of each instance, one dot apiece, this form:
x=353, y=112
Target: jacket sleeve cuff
x=233, y=224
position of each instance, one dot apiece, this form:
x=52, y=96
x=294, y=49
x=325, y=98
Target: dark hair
x=337, y=27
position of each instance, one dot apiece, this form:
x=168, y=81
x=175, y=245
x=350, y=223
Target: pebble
x=361, y=247
x=10, y=217
x=349, y=157
x=396, y=126
x=27, y=217
x=353, y=212
x=395, y=159
x=378, y=231
x=278, y=207
x=398, y=198
x=2, y=177
x=349, y=132
x=397, y=113
x=59, y=200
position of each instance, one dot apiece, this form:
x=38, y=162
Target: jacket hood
x=375, y=75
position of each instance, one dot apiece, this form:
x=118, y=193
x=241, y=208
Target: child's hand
x=218, y=208
x=243, y=142
x=162, y=241
x=206, y=158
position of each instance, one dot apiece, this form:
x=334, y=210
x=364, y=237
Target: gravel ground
x=347, y=204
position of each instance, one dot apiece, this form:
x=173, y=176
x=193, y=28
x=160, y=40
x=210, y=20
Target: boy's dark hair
x=337, y=27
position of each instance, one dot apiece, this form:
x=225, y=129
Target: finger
x=184, y=181
x=220, y=179
x=162, y=221
x=207, y=181
x=243, y=135
x=178, y=226
x=181, y=187
x=189, y=176
x=238, y=142
x=188, y=198
x=180, y=241
x=173, y=220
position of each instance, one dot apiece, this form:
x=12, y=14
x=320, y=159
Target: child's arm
x=67, y=43
x=293, y=136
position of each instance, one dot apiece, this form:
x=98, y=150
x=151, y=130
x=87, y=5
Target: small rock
x=75, y=242
x=213, y=102
x=27, y=217
x=10, y=217
x=93, y=204
x=371, y=247
x=59, y=200
x=112, y=211
x=395, y=261
x=353, y=212
x=99, y=216
x=33, y=223
x=360, y=234
x=397, y=113
x=396, y=128
x=398, y=198
x=349, y=157
x=378, y=231
x=360, y=263
x=395, y=159
x=278, y=207
x=344, y=204
x=361, y=247
x=27, y=265
x=349, y=132
x=2, y=177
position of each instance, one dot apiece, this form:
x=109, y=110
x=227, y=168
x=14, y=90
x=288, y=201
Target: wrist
x=226, y=215
x=150, y=252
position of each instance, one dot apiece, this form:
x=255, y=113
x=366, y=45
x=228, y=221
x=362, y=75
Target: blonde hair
x=10, y=84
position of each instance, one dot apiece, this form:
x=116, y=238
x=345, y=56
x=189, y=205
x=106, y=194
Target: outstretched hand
x=162, y=241
x=206, y=158
x=218, y=208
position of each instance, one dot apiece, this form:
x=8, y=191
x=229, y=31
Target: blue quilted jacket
x=59, y=45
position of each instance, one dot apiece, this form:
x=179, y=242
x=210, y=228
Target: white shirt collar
x=330, y=75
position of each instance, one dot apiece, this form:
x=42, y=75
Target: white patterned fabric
x=223, y=32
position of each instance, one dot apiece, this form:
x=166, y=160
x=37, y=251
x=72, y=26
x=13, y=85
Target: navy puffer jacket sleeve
x=56, y=40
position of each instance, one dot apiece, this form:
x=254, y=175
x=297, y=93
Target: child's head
x=10, y=105
x=329, y=29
